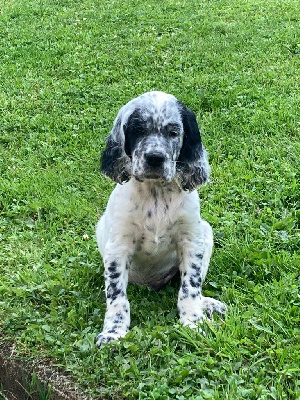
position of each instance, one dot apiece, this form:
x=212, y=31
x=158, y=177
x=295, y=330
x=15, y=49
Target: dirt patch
x=22, y=379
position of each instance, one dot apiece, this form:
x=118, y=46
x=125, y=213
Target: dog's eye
x=173, y=134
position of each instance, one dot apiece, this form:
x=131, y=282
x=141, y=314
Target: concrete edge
x=24, y=379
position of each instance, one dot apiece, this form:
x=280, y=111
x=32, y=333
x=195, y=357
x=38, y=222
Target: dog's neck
x=156, y=188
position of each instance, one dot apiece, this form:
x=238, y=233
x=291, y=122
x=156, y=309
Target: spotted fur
x=152, y=227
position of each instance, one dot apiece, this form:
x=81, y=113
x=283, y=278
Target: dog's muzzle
x=155, y=159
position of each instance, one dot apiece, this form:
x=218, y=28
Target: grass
x=65, y=69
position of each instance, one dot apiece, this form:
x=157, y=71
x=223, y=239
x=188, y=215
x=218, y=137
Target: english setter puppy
x=152, y=226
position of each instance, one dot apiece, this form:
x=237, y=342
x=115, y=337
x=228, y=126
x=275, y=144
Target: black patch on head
x=149, y=214
x=134, y=130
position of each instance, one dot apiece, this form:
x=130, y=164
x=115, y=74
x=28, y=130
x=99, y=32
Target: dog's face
x=153, y=139
x=156, y=137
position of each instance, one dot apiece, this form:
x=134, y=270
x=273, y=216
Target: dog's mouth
x=151, y=176
x=158, y=176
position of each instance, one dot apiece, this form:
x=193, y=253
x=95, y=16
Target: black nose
x=155, y=158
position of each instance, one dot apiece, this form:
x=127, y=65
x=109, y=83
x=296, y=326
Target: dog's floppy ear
x=114, y=161
x=192, y=164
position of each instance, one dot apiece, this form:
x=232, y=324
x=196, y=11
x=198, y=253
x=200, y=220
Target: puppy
x=152, y=226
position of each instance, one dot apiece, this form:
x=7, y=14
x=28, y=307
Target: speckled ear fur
x=114, y=161
x=192, y=166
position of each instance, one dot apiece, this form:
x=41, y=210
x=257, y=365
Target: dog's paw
x=193, y=320
x=193, y=312
x=106, y=337
x=210, y=306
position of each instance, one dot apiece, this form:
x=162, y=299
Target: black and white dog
x=152, y=226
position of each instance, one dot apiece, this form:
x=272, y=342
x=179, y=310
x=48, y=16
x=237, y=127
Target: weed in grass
x=35, y=388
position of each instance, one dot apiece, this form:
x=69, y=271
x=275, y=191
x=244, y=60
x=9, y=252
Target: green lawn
x=66, y=67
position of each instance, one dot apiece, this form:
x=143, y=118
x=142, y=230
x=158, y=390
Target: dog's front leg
x=117, y=316
x=195, y=252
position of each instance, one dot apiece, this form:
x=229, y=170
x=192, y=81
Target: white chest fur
x=150, y=220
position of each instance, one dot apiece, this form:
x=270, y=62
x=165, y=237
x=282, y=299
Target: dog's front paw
x=190, y=312
x=106, y=337
x=193, y=320
x=193, y=312
x=210, y=306
x=116, y=322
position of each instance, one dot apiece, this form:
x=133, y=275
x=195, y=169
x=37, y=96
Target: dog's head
x=156, y=137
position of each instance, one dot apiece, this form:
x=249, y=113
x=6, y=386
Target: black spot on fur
x=113, y=267
x=115, y=275
x=117, y=293
x=185, y=289
x=195, y=282
x=196, y=268
x=113, y=285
